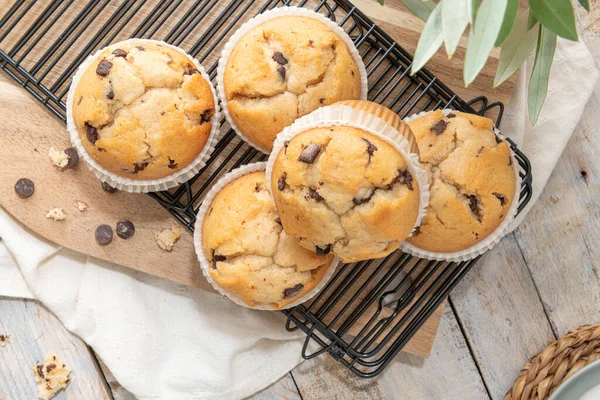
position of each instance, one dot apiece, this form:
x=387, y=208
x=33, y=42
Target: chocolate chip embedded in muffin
x=371, y=148
x=217, y=258
x=405, y=178
x=279, y=58
x=24, y=188
x=205, y=116
x=281, y=182
x=439, y=127
x=281, y=71
x=103, y=68
x=290, y=292
x=323, y=251
x=108, y=189
x=172, y=163
x=103, y=235
x=119, y=53
x=91, y=133
x=310, y=153
x=125, y=229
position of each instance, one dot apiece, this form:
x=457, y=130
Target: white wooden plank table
x=533, y=287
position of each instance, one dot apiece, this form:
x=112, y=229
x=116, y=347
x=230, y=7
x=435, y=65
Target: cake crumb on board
x=4, y=339
x=51, y=375
x=58, y=158
x=57, y=214
x=166, y=238
x=81, y=206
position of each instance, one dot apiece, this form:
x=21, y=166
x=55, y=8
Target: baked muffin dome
x=345, y=190
x=142, y=110
x=282, y=69
x=471, y=176
x=250, y=255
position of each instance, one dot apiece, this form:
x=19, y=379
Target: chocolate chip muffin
x=344, y=190
x=250, y=255
x=143, y=110
x=471, y=176
x=283, y=69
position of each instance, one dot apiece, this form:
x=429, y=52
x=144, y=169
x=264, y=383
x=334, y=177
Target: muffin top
x=345, y=190
x=283, y=69
x=471, y=177
x=142, y=110
x=250, y=255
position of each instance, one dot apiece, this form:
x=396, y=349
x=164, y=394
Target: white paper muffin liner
x=204, y=262
x=259, y=19
x=484, y=245
x=342, y=115
x=139, y=185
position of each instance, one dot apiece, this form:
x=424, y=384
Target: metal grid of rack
x=384, y=302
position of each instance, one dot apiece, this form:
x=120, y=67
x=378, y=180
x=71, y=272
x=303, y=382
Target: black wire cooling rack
x=369, y=310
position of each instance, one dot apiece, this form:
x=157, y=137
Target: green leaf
x=483, y=36
x=509, y=20
x=531, y=21
x=538, y=84
x=455, y=18
x=380, y=2
x=421, y=8
x=585, y=4
x=430, y=41
x=516, y=48
x=473, y=6
x=556, y=15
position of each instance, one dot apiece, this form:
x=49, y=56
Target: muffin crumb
x=51, y=375
x=4, y=339
x=59, y=159
x=57, y=214
x=166, y=238
x=81, y=206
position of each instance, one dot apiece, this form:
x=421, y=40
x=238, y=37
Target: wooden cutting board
x=29, y=130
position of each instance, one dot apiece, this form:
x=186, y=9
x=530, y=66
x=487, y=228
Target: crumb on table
x=51, y=375
x=4, y=339
x=166, y=238
x=58, y=158
x=81, y=206
x=57, y=214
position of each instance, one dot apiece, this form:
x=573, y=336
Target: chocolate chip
x=279, y=58
x=140, y=48
x=205, y=116
x=110, y=95
x=310, y=43
x=125, y=229
x=91, y=133
x=103, y=67
x=24, y=188
x=371, y=148
x=498, y=140
x=137, y=167
x=417, y=231
x=190, y=70
x=285, y=145
x=281, y=182
x=80, y=99
x=217, y=258
x=278, y=220
x=310, y=153
x=73, y=157
x=290, y=292
x=172, y=163
x=104, y=235
x=451, y=115
x=500, y=197
x=510, y=161
x=119, y=53
x=322, y=101
x=40, y=370
x=281, y=71
x=474, y=206
x=313, y=194
x=107, y=188
x=406, y=178
x=479, y=152
x=439, y=127
x=258, y=187
x=322, y=252
x=358, y=201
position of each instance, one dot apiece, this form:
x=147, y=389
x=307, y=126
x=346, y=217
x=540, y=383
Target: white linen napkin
x=162, y=340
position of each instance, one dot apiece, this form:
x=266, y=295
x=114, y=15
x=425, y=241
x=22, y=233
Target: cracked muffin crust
x=250, y=255
x=283, y=69
x=344, y=190
x=471, y=176
x=142, y=110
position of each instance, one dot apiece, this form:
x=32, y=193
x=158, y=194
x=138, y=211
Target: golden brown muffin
x=250, y=254
x=345, y=190
x=283, y=69
x=471, y=177
x=142, y=110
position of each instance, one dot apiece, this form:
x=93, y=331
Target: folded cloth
x=165, y=341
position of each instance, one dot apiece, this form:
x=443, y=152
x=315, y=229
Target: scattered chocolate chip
x=322, y=101
x=73, y=157
x=451, y=115
x=205, y=116
x=290, y=292
x=281, y=71
x=190, y=70
x=119, y=53
x=172, y=163
x=111, y=94
x=313, y=194
x=140, y=48
x=24, y=188
x=406, y=178
x=281, y=182
x=79, y=101
x=40, y=370
x=279, y=58
x=498, y=140
x=439, y=127
x=91, y=133
x=474, y=206
x=322, y=252
x=310, y=153
x=500, y=197
x=125, y=229
x=278, y=220
x=104, y=235
x=103, y=67
x=107, y=188
x=217, y=258
x=371, y=148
